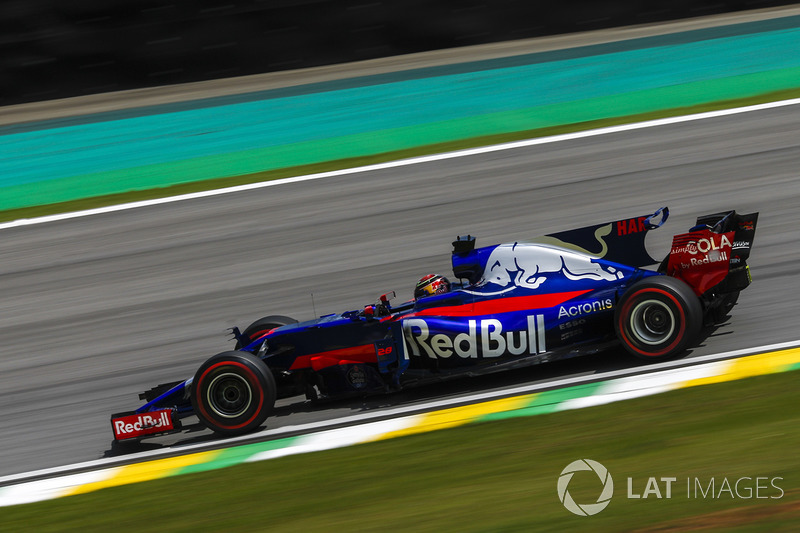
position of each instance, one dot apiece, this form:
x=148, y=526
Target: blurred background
x=54, y=49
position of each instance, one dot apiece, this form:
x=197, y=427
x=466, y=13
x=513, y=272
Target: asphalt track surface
x=95, y=310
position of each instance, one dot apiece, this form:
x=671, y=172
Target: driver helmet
x=430, y=285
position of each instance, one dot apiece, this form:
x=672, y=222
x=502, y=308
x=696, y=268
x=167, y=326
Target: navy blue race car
x=517, y=304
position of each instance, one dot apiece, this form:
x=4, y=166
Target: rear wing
x=714, y=253
x=743, y=226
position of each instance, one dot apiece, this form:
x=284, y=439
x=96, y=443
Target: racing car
x=515, y=304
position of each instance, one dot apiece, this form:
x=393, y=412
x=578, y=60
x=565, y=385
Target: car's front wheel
x=658, y=318
x=233, y=393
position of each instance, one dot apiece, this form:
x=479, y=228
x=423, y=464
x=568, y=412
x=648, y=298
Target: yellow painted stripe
x=457, y=416
x=754, y=365
x=150, y=470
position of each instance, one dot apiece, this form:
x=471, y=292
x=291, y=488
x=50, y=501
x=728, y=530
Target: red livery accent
x=700, y=258
x=263, y=333
x=318, y=363
x=501, y=305
x=139, y=425
x=633, y=225
x=360, y=354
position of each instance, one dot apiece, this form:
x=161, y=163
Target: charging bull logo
x=520, y=265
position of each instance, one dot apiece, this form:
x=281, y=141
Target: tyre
x=233, y=393
x=658, y=318
x=262, y=326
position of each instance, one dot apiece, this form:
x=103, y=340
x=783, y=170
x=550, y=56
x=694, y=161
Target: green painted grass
x=491, y=476
x=433, y=148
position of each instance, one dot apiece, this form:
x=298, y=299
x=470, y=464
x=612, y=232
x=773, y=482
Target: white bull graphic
x=522, y=265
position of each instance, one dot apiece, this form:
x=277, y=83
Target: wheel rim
x=652, y=322
x=229, y=395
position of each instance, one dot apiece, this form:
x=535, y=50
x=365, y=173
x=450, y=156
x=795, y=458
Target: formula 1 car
x=566, y=294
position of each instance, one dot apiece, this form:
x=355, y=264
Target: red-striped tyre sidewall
x=235, y=366
x=685, y=310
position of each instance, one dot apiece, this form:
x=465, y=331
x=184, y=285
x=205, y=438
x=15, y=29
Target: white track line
x=405, y=162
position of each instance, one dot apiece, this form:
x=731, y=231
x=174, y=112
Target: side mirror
x=388, y=297
x=463, y=244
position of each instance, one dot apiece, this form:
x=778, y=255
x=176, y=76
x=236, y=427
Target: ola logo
x=587, y=509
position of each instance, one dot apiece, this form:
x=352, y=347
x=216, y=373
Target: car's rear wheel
x=262, y=326
x=233, y=393
x=658, y=318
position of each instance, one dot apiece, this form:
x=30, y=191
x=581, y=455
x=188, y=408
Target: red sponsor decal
x=633, y=225
x=748, y=225
x=143, y=424
x=700, y=258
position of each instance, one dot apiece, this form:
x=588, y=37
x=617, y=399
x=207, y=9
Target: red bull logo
x=483, y=339
x=139, y=425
